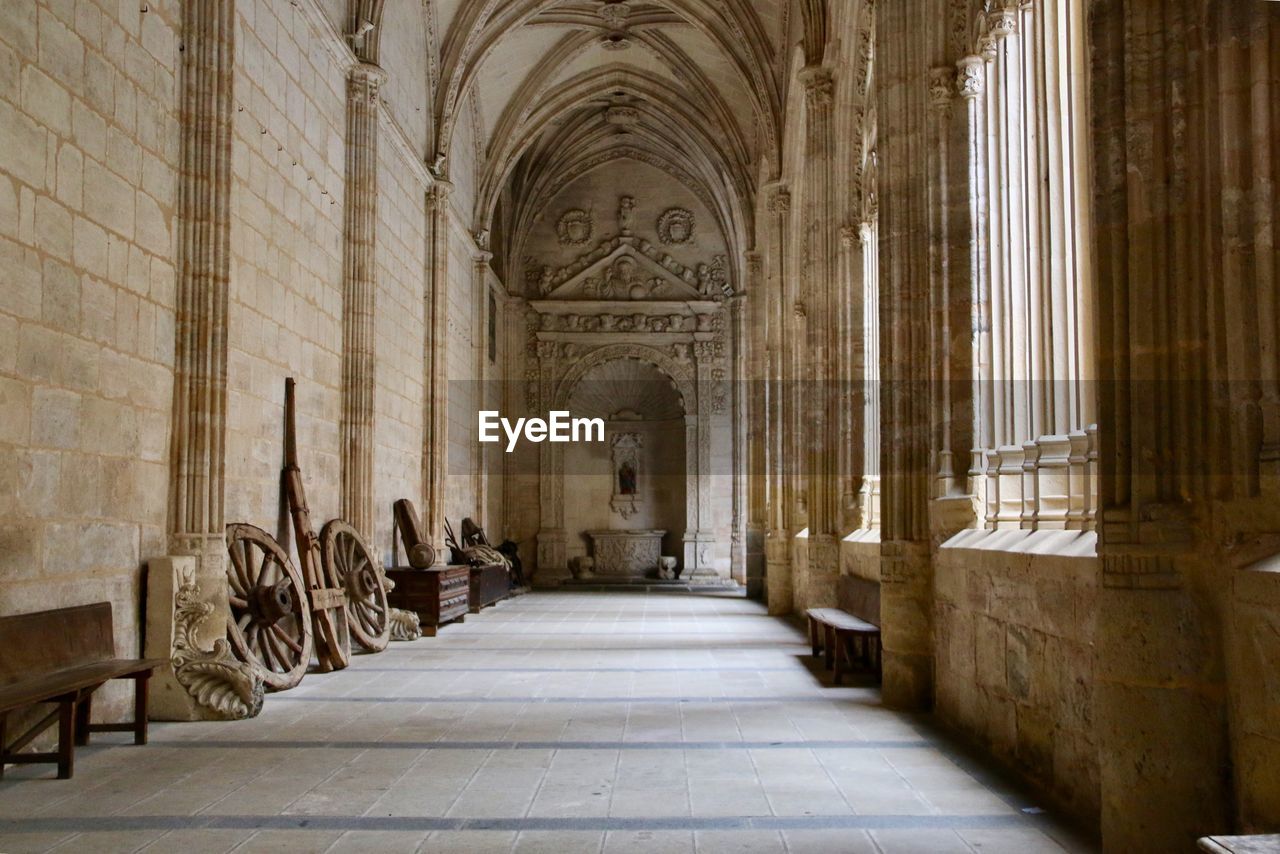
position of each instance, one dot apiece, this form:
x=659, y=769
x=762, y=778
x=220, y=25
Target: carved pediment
x=625, y=273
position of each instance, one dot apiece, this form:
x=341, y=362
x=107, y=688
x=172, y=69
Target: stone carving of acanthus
x=219, y=682
x=675, y=226
x=970, y=77
x=575, y=227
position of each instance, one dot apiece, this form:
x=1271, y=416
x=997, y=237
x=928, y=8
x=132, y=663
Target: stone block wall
x=286, y=274
x=1014, y=628
x=88, y=192
x=401, y=312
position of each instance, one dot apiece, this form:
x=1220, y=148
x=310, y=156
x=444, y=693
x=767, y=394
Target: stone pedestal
x=626, y=554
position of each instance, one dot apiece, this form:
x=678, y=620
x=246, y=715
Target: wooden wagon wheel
x=270, y=626
x=349, y=565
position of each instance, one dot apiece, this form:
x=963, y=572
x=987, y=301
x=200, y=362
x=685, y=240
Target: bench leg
x=84, y=711
x=4, y=720
x=66, y=738
x=838, y=674
x=813, y=636
x=140, y=693
x=829, y=645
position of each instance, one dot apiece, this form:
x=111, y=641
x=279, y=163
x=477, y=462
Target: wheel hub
x=270, y=604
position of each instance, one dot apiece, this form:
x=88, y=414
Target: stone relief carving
x=219, y=682
x=675, y=226
x=552, y=279
x=631, y=553
x=575, y=227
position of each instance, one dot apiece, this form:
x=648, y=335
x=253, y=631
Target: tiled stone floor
x=556, y=722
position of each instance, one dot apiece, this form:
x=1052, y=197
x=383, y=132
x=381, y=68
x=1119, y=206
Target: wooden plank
x=50, y=640
x=45, y=686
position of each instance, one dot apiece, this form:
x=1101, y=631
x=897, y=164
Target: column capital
x=779, y=200
x=849, y=235
x=971, y=77
x=438, y=194
x=942, y=88
x=819, y=86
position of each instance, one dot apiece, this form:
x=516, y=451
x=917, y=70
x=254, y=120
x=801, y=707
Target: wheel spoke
x=238, y=602
x=244, y=621
x=288, y=641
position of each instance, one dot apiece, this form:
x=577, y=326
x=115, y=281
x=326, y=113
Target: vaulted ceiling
x=560, y=87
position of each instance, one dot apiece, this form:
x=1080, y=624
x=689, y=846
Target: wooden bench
x=62, y=657
x=843, y=635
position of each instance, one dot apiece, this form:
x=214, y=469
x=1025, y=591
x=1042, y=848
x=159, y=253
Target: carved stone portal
x=626, y=448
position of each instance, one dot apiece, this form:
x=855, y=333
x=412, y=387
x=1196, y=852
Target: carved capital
x=849, y=236
x=780, y=200
x=1002, y=23
x=971, y=78
x=438, y=195
x=941, y=88
x=364, y=81
x=819, y=86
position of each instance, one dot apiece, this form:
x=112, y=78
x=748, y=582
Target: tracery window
x=1036, y=440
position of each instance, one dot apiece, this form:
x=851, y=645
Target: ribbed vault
x=564, y=87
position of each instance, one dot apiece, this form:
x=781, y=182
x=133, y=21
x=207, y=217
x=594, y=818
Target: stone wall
x=1014, y=619
x=90, y=144
x=399, y=331
x=286, y=275
x=88, y=193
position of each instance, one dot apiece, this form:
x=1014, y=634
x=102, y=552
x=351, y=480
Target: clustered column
x=778, y=493
x=359, y=296
x=200, y=389
x=906, y=577
x=822, y=311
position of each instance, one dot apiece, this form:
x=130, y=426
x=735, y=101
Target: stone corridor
x=555, y=722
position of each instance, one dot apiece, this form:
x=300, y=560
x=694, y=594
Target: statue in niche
x=627, y=479
x=626, y=214
x=626, y=449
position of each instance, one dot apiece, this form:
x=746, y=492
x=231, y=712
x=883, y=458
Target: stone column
x=778, y=583
x=480, y=349
x=903, y=63
x=822, y=308
x=187, y=590
x=971, y=86
x=1183, y=107
x=436, y=418
x=756, y=344
x=851, y=376
x=359, y=297
x=738, y=412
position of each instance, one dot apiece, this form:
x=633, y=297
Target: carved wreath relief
x=675, y=226
x=575, y=227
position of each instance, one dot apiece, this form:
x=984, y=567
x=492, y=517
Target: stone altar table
x=626, y=554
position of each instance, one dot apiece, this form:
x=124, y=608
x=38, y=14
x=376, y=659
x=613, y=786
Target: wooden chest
x=438, y=595
x=489, y=584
